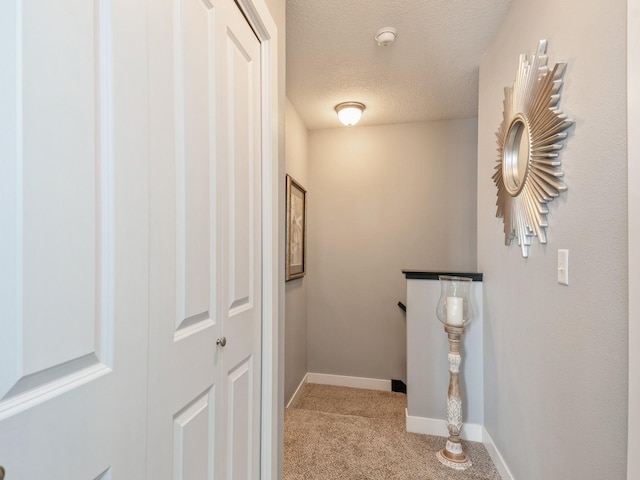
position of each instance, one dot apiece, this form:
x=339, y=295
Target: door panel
x=60, y=242
x=73, y=239
x=193, y=158
x=193, y=458
x=241, y=169
x=241, y=420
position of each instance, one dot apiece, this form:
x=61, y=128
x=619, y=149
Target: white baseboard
x=353, y=382
x=496, y=457
x=298, y=390
x=434, y=426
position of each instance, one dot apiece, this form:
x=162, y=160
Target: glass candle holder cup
x=454, y=306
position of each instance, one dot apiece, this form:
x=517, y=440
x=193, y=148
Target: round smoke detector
x=386, y=36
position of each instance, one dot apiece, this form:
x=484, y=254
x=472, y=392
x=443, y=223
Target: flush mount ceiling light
x=349, y=113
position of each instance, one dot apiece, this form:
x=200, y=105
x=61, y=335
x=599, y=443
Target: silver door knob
x=222, y=341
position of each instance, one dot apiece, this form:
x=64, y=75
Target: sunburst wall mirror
x=532, y=132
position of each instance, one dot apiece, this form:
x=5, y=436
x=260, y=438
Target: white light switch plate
x=563, y=266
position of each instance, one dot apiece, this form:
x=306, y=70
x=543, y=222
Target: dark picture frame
x=296, y=238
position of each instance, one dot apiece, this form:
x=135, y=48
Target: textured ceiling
x=429, y=73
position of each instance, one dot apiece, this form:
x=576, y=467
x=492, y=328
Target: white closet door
x=183, y=375
x=73, y=239
x=205, y=246
x=239, y=177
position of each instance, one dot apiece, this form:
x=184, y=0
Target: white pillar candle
x=454, y=311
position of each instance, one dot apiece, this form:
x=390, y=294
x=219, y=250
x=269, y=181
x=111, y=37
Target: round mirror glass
x=517, y=149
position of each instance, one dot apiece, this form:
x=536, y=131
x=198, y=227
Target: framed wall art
x=296, y=230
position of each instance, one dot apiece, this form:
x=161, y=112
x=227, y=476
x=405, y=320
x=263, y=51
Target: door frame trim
x=262, y=23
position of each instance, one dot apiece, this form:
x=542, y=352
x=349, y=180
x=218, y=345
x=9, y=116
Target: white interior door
x=238, y=149
x=204, y=399
x=183, y=378
x=73, y=239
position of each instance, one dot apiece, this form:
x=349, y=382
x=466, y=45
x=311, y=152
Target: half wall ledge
x=427, y=358
x=431, y=275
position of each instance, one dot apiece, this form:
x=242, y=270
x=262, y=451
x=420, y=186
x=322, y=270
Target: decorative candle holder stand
x=454, y=310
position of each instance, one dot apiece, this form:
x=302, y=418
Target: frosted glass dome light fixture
x=349, y=113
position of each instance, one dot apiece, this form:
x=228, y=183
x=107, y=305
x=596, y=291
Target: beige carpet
x=334, y=433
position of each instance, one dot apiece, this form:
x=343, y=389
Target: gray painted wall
x=382, y=198
x=633, y=154
x=556, y=356
x=295, y=290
